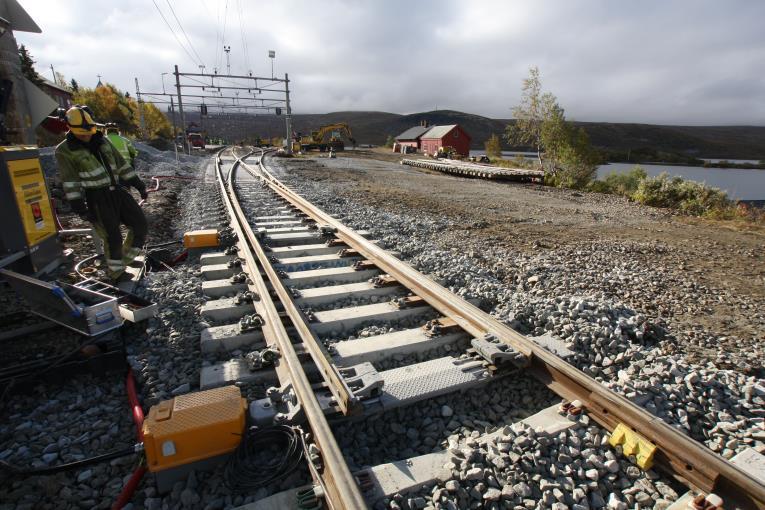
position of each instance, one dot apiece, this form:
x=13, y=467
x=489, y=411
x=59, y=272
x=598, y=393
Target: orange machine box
x=193, y=427
x=200, y=239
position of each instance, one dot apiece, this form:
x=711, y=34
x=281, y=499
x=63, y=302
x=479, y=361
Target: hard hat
x=79, y=118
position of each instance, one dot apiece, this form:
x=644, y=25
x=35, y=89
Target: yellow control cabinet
x=194, y=427
x=200, y=239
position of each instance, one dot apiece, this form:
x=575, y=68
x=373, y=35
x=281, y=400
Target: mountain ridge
x=373, y=127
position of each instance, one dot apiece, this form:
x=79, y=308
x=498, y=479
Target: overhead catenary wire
x=201, y=61
x=245, y=49
x=191, y=57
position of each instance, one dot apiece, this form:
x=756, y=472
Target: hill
x=370, y=127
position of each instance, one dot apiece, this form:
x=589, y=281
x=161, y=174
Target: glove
x=79, y=207
x=138, y=184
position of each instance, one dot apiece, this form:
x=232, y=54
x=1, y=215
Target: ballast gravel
x=578, y=293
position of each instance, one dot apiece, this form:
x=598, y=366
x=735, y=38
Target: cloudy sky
x=653, y=61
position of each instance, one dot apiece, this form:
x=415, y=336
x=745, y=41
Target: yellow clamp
x=633, y=444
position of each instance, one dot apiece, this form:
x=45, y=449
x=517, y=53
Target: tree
x=493, y=147
x=535, y=107
x=157, y=125
x=28, y=66
x=109, y=105
x=390, y=141
x=61, y=80
x=569, y=159
x=74, y=86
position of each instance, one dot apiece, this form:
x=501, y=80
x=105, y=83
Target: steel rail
x=341, y=488
x=677, y=454
x=344, y=397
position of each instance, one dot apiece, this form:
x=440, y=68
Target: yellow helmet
x=79, y=118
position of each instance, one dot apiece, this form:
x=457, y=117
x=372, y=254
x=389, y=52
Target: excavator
x=335, y=143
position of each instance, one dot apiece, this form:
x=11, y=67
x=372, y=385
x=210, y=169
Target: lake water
x=738, y=183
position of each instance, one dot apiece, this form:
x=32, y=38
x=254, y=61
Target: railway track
x=321, y=307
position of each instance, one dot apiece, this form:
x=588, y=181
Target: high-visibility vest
x=80, y=170
x=124, y=146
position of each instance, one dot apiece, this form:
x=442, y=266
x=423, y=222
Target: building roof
x=52, y=85
x=412, y=133
x=439, y=131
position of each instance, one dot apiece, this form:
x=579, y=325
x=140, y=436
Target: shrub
x=626, y=184
x=689, y=197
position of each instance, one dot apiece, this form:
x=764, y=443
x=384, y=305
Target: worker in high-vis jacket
x=122, y=144
x=95, y=178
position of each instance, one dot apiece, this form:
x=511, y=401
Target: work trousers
x=108, y=208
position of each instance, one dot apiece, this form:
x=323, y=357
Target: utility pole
x=180, y=105
x=227, y=49
x=54, y=75
x=140, y=110
x=175, y=134
x=289, y=113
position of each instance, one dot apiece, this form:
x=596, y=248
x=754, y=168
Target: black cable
x=15, y=471
x=160, y=245
x=266, y=454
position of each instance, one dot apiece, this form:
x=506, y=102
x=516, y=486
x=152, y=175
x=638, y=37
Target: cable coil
x=265, y=455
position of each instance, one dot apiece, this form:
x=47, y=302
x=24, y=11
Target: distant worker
x=122, y=144
x=95, y=177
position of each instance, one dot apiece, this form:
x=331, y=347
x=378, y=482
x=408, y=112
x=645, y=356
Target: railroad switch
x=497, y=353
x=251, y=323
x=633, y=445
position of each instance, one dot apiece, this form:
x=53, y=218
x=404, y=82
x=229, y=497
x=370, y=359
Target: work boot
x=119, y=277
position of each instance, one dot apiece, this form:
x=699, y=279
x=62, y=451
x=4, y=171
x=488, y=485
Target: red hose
x=157, y=178
x=127, y=492
x=135, y=405
x=129, y=489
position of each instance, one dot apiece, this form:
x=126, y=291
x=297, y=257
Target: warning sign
x=32, y=199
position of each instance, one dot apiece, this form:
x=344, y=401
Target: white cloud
x=697, y=62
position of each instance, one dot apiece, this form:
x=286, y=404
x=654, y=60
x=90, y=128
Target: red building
x=58, y=93
x=445, y=136
x=411, y=137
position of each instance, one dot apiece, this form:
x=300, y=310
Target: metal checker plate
x=553, y=344
x=429, y=379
